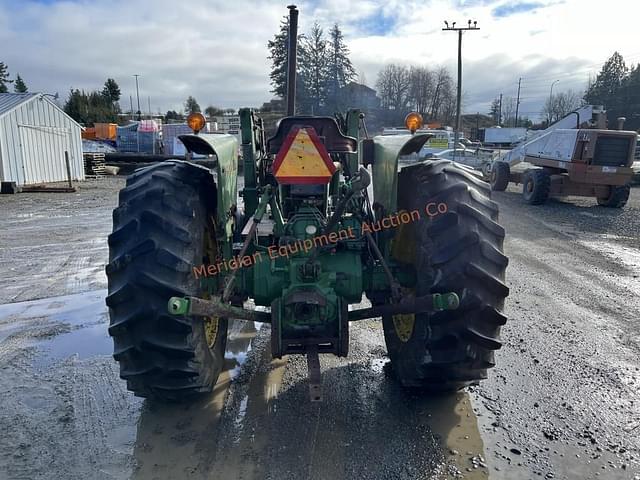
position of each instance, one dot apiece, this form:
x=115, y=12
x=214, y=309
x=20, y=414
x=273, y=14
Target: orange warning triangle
x=302, y=159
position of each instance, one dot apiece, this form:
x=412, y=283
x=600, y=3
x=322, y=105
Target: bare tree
x=422, y=88
x=430, y=92
x=561, y=104
x=442, y=91
x=508, y=111
x=393, y=84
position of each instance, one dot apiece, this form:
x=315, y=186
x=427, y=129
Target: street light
x=551, y=100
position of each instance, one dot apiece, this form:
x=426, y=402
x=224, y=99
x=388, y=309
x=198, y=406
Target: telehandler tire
x=460, y=250
x=161, y=230
x=536, y=184
x=500, y=173
x=617, y=198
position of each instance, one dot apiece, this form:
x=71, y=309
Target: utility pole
x=518, y=102
x=131, y=111
x=139, y=112
x=551, y=102
x=453, y=28
x=500, y=114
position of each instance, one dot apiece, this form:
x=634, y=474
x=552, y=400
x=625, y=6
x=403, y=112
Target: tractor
x=327, y=216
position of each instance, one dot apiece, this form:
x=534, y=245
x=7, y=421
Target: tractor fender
x=387, y=149
x=225, y=148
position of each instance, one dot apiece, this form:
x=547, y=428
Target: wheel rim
x=530, y=186
x=403, y=325
x=211, y=328
x=211, y=324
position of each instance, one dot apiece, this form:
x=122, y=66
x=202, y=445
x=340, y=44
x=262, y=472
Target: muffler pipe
x=292, y=60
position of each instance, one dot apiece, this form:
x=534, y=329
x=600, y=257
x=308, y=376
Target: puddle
x=83, y=322
x=84, y=342
x=80, y=323
x=241, y=335
x=72, y=308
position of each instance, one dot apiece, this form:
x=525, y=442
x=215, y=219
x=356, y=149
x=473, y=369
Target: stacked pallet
x=94, y=165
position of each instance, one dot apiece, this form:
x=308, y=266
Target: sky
x=216, y=50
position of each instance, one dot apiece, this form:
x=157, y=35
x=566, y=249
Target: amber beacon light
x=196, y=121
x=413, y=121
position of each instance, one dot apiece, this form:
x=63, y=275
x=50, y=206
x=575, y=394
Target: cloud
x=216, y=50
x=377, y=24
x=516, y=7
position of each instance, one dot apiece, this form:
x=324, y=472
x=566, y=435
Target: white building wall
x=33, y=139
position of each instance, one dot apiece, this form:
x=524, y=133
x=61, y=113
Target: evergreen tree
x=191, y=105
x=314, y=69
x=340, y=69
x=279, y=56
x=19, y=85
x=494, y=111
x=630, y=97
x=604, y=90
x=212, y=111
x=76, y=105
x=111, y=90
x=89, y=108
x=4, y=78
x=111, y=94
x=172, y=115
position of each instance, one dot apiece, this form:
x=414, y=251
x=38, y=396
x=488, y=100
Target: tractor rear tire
x=160, y=232
x=459, y=250
x=500, y=173
x=617, y=198
x=536, y=184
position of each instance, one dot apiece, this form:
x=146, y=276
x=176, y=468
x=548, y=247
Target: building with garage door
x=34, y=135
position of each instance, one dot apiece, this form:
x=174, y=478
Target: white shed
x=34, y=135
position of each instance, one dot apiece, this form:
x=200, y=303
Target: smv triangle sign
x=302, y=159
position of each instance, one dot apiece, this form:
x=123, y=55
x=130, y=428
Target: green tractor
x=426, y=250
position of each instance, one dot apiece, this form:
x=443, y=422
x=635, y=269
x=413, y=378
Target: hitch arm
x=198, y=307
x=428, y=303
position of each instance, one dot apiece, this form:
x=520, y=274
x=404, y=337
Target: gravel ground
x=55, y=243
x=562, y=402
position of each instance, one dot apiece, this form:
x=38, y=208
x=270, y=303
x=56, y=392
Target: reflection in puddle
x=59, y=327
x=241, y=335
x=84, y=342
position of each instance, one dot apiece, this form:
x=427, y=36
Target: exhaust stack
x=292, y=61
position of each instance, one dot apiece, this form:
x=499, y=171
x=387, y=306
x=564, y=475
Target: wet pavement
x=563, y=401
